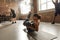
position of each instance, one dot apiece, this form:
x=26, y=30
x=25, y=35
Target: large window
x=25, y=6
x=45, y=4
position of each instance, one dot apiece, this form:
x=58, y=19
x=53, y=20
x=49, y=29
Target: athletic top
x=13, y=13
x=57, y=7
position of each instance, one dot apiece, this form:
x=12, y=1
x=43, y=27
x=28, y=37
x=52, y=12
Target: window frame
x=39, y=9
x=22, y=11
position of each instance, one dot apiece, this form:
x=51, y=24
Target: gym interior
x=13, y=14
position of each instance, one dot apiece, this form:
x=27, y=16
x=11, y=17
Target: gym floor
x=47, y=31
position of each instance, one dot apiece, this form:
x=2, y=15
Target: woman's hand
x=30, y=27
x=53, y=1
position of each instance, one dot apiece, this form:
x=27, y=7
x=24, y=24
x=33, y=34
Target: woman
x=13, y=16
x=34, y=27
x=57, y=9
x=36, y=21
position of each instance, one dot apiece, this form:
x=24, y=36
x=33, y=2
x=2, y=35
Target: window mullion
x=46, y=4
x=40, y=4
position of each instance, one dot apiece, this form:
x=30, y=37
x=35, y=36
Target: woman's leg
x=15, y=20
x=54, y=18
x=31, y=34
x=12, y=20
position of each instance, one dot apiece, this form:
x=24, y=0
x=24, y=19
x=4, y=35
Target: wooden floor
x=47, y=31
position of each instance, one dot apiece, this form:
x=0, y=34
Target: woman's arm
x=56, y=1
x=53, y=1
x=30, y=27
x=37, y=25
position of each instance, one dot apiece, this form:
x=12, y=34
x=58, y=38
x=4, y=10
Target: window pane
x=49, y=0
x=59, y=1
x=43, y=1
x=25, y=7
x=39, y=5
x=43, y=7
x=50, y=5
x=27, y=2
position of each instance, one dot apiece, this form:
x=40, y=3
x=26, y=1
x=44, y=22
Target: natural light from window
x=25, y=6
x=45, y=4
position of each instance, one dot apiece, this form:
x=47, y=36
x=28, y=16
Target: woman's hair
x=36, y=15
x=11, y=9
